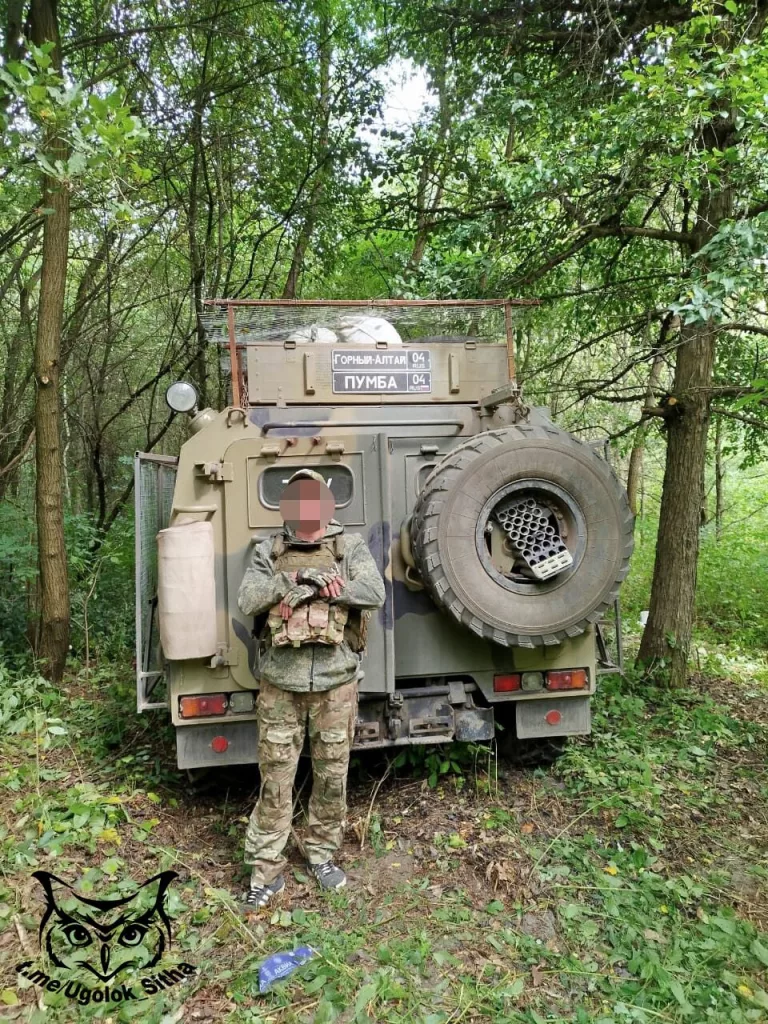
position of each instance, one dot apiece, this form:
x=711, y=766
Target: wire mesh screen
x=155, y=478
x=306, y=322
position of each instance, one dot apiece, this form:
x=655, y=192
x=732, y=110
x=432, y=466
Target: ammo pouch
x=316, y=622
x=356, y=631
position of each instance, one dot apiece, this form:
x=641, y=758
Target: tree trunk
x=309, y=223
x=635, y=470
x=434, y=171
x=719, y=479
x=667, y=636
x=54, y=585
x=15, y=421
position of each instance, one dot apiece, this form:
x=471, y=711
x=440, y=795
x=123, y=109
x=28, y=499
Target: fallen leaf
x=745, y=991
x=108, y=835
x=611, y=869
x=527, y=828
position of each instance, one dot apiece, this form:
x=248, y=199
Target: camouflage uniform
x=308, y=688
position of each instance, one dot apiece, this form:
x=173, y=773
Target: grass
x=627, y=884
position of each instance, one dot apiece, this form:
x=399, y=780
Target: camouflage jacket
x=313, y=666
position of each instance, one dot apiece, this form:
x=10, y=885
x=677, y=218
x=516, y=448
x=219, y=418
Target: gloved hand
x=296, y=595
x=333, y=589
x=318, y=578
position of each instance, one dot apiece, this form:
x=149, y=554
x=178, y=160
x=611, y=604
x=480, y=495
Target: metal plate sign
x=403, y=372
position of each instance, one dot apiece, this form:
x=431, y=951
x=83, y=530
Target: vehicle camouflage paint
x=384, y=423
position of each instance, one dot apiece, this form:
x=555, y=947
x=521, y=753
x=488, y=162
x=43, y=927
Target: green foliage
x=643, y=929
x=732, y=595
x=728, y=269
x=25, y=702
x=453, y=761
x=99, y=129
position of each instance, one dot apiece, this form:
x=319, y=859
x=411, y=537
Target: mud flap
x=566, y=716
x=474, y=724
x=223, y=742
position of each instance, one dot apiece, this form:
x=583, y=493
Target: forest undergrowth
x=628, y=883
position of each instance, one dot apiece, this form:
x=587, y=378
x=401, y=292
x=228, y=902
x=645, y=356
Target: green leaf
x=494, y=907
x=366, y=994
x=317, y=983
x=677, y=991
x=9, y=997
x=731, y=6
x=759, y=950
x=77, y=163
x=725, y=924
x=515, y=989
x=325, y=1013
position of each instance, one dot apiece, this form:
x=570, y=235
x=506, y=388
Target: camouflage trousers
x=284, y=717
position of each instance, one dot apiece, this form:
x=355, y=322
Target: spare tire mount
x=486, y=507
x=535, y=523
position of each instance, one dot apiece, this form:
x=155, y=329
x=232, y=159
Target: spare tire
x=467, y=561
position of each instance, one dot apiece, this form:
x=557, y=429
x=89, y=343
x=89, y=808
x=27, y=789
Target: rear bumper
x=432, y=714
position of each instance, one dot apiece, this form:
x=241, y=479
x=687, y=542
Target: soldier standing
x=316, y=584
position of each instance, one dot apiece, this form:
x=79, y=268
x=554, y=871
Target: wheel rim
x=521, y=526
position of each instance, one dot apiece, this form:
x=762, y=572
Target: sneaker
x=259, y=896
x=328, y=875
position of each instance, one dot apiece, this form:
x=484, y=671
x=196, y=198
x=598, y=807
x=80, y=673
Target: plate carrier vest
x=317, y=621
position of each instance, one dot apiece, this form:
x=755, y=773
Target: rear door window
x=272, y=481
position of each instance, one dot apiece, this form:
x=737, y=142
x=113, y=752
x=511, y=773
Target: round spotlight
x=181, y=397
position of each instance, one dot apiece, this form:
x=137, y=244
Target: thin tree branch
x=750, y=421
x=17, y=458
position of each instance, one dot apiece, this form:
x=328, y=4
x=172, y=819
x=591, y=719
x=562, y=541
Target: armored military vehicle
x=502, y=539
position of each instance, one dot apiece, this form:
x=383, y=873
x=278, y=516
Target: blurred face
x=307, y=506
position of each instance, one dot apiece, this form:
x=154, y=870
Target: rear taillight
x=240, y=703
x=573, y=679
x=533, y=681
x=503, y=684
x=203, y=706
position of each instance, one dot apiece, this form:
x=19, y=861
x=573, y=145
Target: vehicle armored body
x=501, y=538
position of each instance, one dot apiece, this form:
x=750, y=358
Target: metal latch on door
x=217, y=472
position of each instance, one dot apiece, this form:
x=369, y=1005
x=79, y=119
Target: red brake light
x=573, y=679
x=204, y=705
x=503, y=684
x=219, y=744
